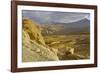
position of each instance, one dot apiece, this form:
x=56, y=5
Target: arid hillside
x=34, y=48
x=53, y=47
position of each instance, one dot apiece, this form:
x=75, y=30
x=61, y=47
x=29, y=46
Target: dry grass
x=80, y=43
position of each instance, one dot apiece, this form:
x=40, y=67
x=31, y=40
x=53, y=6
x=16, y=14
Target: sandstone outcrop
x=34, y=48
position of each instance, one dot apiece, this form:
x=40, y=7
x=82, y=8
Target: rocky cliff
x=34, y=48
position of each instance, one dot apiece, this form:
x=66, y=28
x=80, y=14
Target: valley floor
x=70, y=47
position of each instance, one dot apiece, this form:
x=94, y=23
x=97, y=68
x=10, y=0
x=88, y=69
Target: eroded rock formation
x=34, y=48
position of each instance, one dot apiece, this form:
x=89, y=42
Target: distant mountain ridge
x=79, y=23
x=65, y=28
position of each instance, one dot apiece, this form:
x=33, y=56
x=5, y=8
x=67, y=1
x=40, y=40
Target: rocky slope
x=34, y=48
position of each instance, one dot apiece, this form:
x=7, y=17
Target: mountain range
x=82, y=26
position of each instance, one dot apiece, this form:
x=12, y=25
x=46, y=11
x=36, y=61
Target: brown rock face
x=33, y=30
x=34, y=48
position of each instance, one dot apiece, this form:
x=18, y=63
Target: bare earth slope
x=34, y=48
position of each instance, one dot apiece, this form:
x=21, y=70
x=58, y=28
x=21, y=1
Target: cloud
x=51, y=16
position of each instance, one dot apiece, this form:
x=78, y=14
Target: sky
x=53, y=16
